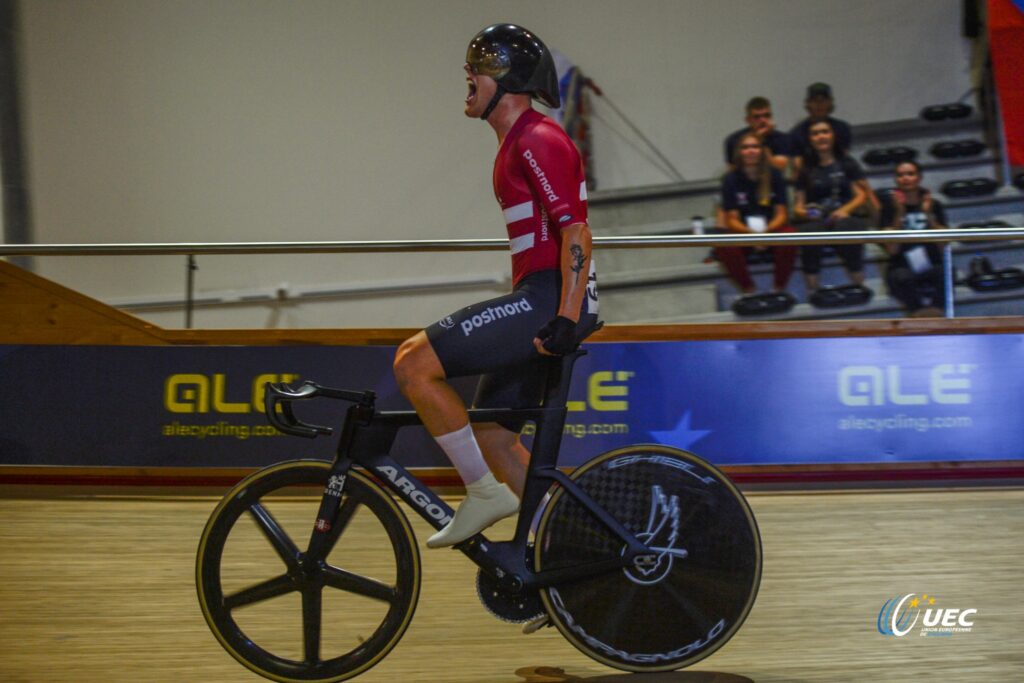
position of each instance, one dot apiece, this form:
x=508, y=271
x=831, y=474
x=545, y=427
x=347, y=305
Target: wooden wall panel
x=34, y=310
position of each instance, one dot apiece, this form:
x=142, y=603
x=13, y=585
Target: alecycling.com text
x=220, y=429
x=580, y=430
x=901, y=421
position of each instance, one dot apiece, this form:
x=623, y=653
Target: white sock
x=462, y=449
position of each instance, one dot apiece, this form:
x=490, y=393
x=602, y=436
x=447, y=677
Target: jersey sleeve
x=553, y=169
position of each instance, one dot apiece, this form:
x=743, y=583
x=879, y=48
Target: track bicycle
x=646, y=558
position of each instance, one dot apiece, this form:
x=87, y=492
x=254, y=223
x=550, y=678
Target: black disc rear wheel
x=285, y=616
x=669, y=609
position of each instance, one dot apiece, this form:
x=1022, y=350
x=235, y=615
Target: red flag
x=1006, y=45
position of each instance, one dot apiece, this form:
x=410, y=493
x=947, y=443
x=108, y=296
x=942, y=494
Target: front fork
x=329, y=523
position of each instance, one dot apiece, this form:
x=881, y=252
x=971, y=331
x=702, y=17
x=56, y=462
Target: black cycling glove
x=558, y=336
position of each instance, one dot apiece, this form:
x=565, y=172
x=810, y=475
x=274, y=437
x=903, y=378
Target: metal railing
x=945, y=236
x=499, y=244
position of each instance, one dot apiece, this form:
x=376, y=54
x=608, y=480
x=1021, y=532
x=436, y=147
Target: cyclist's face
x=481, y=90
x=907, y=177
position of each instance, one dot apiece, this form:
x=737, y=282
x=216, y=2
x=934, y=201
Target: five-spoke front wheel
x=289, y=616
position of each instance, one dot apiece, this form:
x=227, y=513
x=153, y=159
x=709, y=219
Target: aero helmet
x=517, y=60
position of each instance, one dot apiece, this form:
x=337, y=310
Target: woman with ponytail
x=753, y=202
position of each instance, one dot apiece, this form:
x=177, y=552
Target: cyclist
x=539, y=183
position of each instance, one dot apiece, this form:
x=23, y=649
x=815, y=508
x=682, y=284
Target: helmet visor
x=486, y=59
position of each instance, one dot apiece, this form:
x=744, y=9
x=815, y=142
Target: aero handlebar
x=278, y=398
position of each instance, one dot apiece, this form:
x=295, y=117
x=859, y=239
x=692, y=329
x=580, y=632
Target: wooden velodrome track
x=101, y=588
x=98, y=585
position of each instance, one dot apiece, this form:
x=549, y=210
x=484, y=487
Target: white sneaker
x=487, y=501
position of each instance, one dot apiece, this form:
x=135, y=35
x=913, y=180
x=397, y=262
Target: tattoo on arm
x=579, y=258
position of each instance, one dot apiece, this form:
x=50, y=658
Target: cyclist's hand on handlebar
x=557, y=337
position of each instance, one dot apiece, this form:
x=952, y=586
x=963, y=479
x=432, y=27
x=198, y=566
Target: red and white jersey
x=539, y=183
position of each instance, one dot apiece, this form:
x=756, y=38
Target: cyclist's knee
x=415, y=361
x=404, y=364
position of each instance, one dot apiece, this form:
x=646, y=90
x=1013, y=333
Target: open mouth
x=472, y=91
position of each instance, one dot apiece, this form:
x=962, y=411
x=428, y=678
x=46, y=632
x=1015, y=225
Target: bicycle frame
x=367, y=438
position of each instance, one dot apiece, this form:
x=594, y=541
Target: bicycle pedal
x=536, y=624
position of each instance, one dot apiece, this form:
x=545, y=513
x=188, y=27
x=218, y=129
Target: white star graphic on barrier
x=681, y=436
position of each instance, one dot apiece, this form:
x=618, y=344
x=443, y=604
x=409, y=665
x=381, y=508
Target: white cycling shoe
x=487, y=501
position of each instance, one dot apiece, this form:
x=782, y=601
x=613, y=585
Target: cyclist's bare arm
x=575, y=265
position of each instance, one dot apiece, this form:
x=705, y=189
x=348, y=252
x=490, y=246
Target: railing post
x=948, y=275
x=190, y=269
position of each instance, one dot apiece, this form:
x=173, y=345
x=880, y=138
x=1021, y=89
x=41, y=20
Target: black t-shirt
x=801, y=139
x=914, y=218
x=777, y=141
x=830, y=186
x=739, y=193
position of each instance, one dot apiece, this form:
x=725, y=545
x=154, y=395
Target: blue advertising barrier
x=794, y=401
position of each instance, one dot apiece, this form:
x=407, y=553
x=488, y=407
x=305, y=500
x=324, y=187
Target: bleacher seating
x=943, y=112
x=676, y=285
x=984, y=277
x=984, y=225
x=889, y=156
x=955, y=149
x=971, y=187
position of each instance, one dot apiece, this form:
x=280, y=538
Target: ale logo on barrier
x=607, y=391
x=194, y=393
x=900, y=615
x=877, y=385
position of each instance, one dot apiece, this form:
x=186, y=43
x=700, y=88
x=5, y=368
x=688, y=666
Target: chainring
x=515, y=608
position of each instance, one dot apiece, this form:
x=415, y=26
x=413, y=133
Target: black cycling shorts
x=494, y=338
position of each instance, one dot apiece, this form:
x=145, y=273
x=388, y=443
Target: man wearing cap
x=820, y=105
